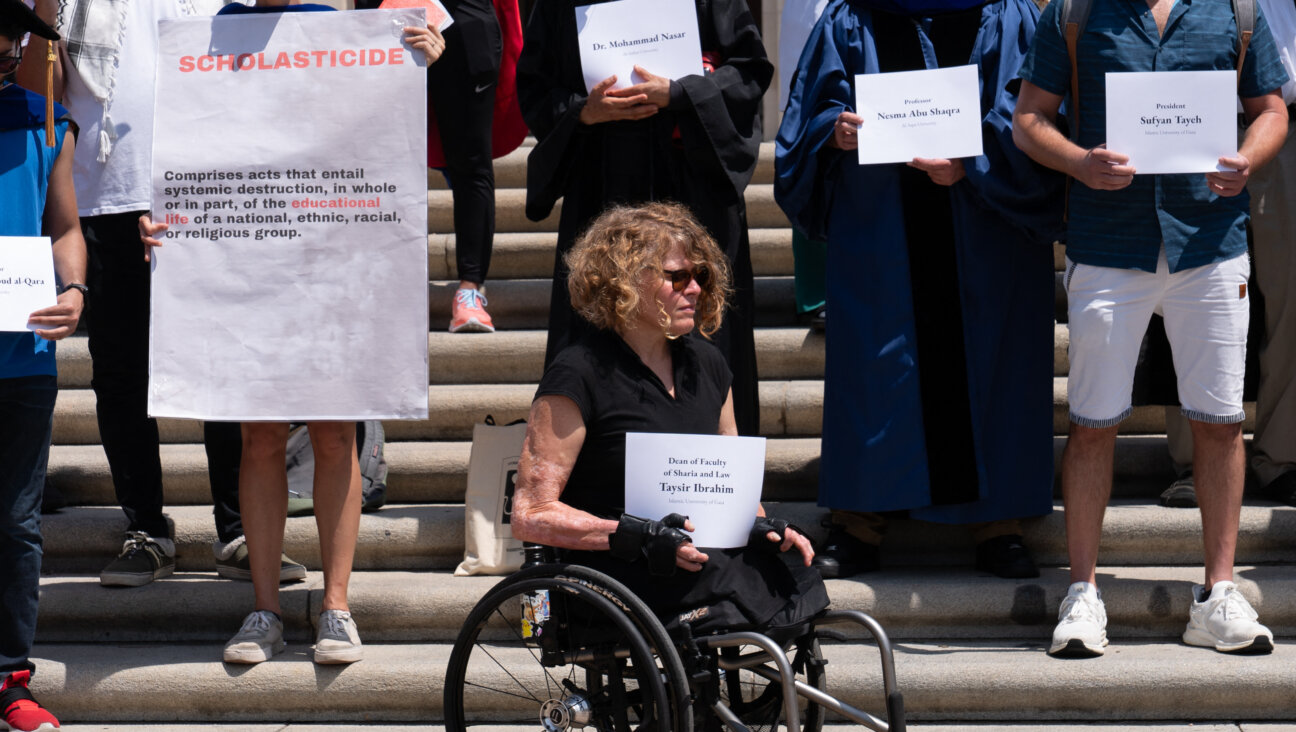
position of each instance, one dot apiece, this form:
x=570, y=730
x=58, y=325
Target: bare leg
x=1086, y=489
x=263, y=501
x=1219, y=467
x=337, y=505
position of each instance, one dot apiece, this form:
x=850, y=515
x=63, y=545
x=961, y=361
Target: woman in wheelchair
x=645, y=278
x=635, y=628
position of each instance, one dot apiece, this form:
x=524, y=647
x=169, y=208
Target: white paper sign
x=436, y=12
x=289, y=159
x=934, y=113
x=1172, y=121
x=659, y=35
x=26, y=280
x=715, y=480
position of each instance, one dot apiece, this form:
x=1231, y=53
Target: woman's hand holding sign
x=427, y=40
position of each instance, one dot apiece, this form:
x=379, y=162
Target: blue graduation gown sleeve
x=1003, y=179
x=822, y=88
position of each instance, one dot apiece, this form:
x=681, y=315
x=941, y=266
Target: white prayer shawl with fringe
x=93, y=31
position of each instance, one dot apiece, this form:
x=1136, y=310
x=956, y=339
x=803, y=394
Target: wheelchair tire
x=674, y=675
x=576, y=660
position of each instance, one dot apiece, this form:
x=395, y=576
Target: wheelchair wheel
x=673, y=673
x=553, y=654
x=758, y=702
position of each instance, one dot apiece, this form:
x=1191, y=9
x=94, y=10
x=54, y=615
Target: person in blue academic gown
x=938, y=381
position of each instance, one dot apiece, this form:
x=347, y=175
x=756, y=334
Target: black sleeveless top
x=617, y=393
x=744, y=588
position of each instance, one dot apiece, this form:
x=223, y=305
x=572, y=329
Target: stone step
x=517, y=356
x=430, y=536
x=510, y=211
x=418, y=472
x=524, y=304
x=437, y=472
x=788, y=409
x=983, y=680
x=510, y=170
x=512, y=356
x=531, y=254
x=913, y=604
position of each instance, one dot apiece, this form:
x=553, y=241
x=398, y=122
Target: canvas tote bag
x=489, y=546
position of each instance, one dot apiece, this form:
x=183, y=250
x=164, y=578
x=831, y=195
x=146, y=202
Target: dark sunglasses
x=9, y=64
x=680, y=278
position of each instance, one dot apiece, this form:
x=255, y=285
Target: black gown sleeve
x=720, y=122
x=550, y=104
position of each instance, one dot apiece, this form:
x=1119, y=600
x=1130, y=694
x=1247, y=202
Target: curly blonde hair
x=609, y=260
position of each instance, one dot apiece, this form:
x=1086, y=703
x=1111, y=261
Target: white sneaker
x=260, y=638
x=1081, y=631
x=1226, y=622
x=338, y=640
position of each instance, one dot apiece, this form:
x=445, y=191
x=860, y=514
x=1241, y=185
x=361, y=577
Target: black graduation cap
x=16, y=13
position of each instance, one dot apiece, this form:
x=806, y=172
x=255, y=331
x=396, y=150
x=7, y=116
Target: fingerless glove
x=761, y=527
x=656, y=541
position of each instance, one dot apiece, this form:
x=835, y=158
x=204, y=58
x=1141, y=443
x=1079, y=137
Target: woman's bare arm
x=554, y=437
x=555, y=433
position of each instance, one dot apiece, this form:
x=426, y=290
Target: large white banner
x=289, y=158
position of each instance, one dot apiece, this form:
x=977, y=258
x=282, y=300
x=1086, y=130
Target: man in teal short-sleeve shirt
x=1143, y=244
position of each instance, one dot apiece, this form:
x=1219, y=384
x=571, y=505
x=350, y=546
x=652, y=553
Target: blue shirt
x=241, y=9
x=1127, y=228
x=25, y=165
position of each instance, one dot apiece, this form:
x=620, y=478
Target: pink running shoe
x=469, y=313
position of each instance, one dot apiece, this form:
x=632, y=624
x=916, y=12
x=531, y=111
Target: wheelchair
x=566, y=647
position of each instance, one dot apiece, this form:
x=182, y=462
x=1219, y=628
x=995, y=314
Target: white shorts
x=1206, y=310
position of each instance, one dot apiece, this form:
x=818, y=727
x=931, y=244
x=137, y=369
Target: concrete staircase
x=971, y=646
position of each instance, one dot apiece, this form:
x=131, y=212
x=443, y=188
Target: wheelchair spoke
x=528, y=697
x=517, y=633
x=508, y=673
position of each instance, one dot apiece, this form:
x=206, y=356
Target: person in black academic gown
x=694, y=140
x=938, y=376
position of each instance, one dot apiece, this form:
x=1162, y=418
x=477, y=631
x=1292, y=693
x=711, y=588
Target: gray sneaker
x=260, y=638
x=232, y=563
x=142, y=560
x=338, y=640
